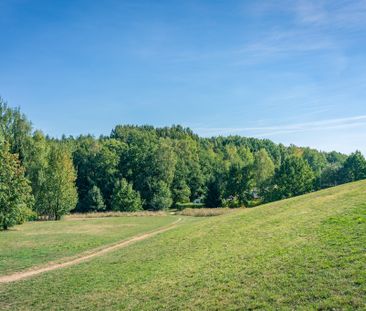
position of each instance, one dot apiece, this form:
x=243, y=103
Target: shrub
x=124, y=198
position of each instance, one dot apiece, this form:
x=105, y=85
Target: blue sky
x=291, y=71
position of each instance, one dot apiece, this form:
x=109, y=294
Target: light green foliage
x=162, y=196
x=315, y=159
x=36, y=167
x=58, y=192
x=15, y=192
x=124, y=198
x=263, y=169
x=15, y=129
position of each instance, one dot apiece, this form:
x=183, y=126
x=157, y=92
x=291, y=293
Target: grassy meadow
x=304, y=253
x=36, y=243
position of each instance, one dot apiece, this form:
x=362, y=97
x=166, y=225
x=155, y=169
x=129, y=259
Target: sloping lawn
x=305, y=253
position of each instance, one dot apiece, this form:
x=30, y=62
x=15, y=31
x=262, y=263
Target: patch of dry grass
x=205, y=212
x=115, y=214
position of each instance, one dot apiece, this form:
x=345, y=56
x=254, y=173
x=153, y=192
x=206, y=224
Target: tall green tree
x=240, y=179
x=354, y=168
x=58, y=193
x=263, y=170
x=294, y=177
x=162, y=198
x=181, y=192
x=36, y=165
x=214, y=193
x=15, y=192
x=15, y=129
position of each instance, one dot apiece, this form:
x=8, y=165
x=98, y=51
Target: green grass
x=36, y=243
x=305, y=253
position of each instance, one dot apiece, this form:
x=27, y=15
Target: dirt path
x=53, y=266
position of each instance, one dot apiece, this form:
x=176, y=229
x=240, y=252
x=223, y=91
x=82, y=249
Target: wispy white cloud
x=334, y=13
x=331, y=13
x=266, y=131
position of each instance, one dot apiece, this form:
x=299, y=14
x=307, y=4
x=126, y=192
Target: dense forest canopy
x=143, y=167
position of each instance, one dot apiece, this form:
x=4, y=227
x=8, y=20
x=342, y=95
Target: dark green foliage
x=294, y=177
x=94, y=201
x=181, y=192
x=329, y=177
x=166, y=166
x=124, y=198
x=15, y=192
x=354, y=168
x=214, y=193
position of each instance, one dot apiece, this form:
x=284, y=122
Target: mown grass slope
x=303, y=253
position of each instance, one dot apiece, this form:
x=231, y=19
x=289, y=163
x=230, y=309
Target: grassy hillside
x=303, y=253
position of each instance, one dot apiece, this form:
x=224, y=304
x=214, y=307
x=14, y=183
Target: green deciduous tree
x=36, y=165
x=214, y=193
x=294, y=177
x=15, y=191
x=15, y=129
x=125, y=198
x=263, y=170
x=354, y=168
x=94, y=200
x=58, y=193
x=162, y=198
x=181, y=192
x=239, y=179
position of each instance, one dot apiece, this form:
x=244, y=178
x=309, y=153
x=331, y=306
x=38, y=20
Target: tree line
x=142, y=167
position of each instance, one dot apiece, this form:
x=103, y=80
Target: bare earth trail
x=91, y=254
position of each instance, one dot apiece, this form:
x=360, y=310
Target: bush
x=232, y=202
x=124, y=198
x=94, y=200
